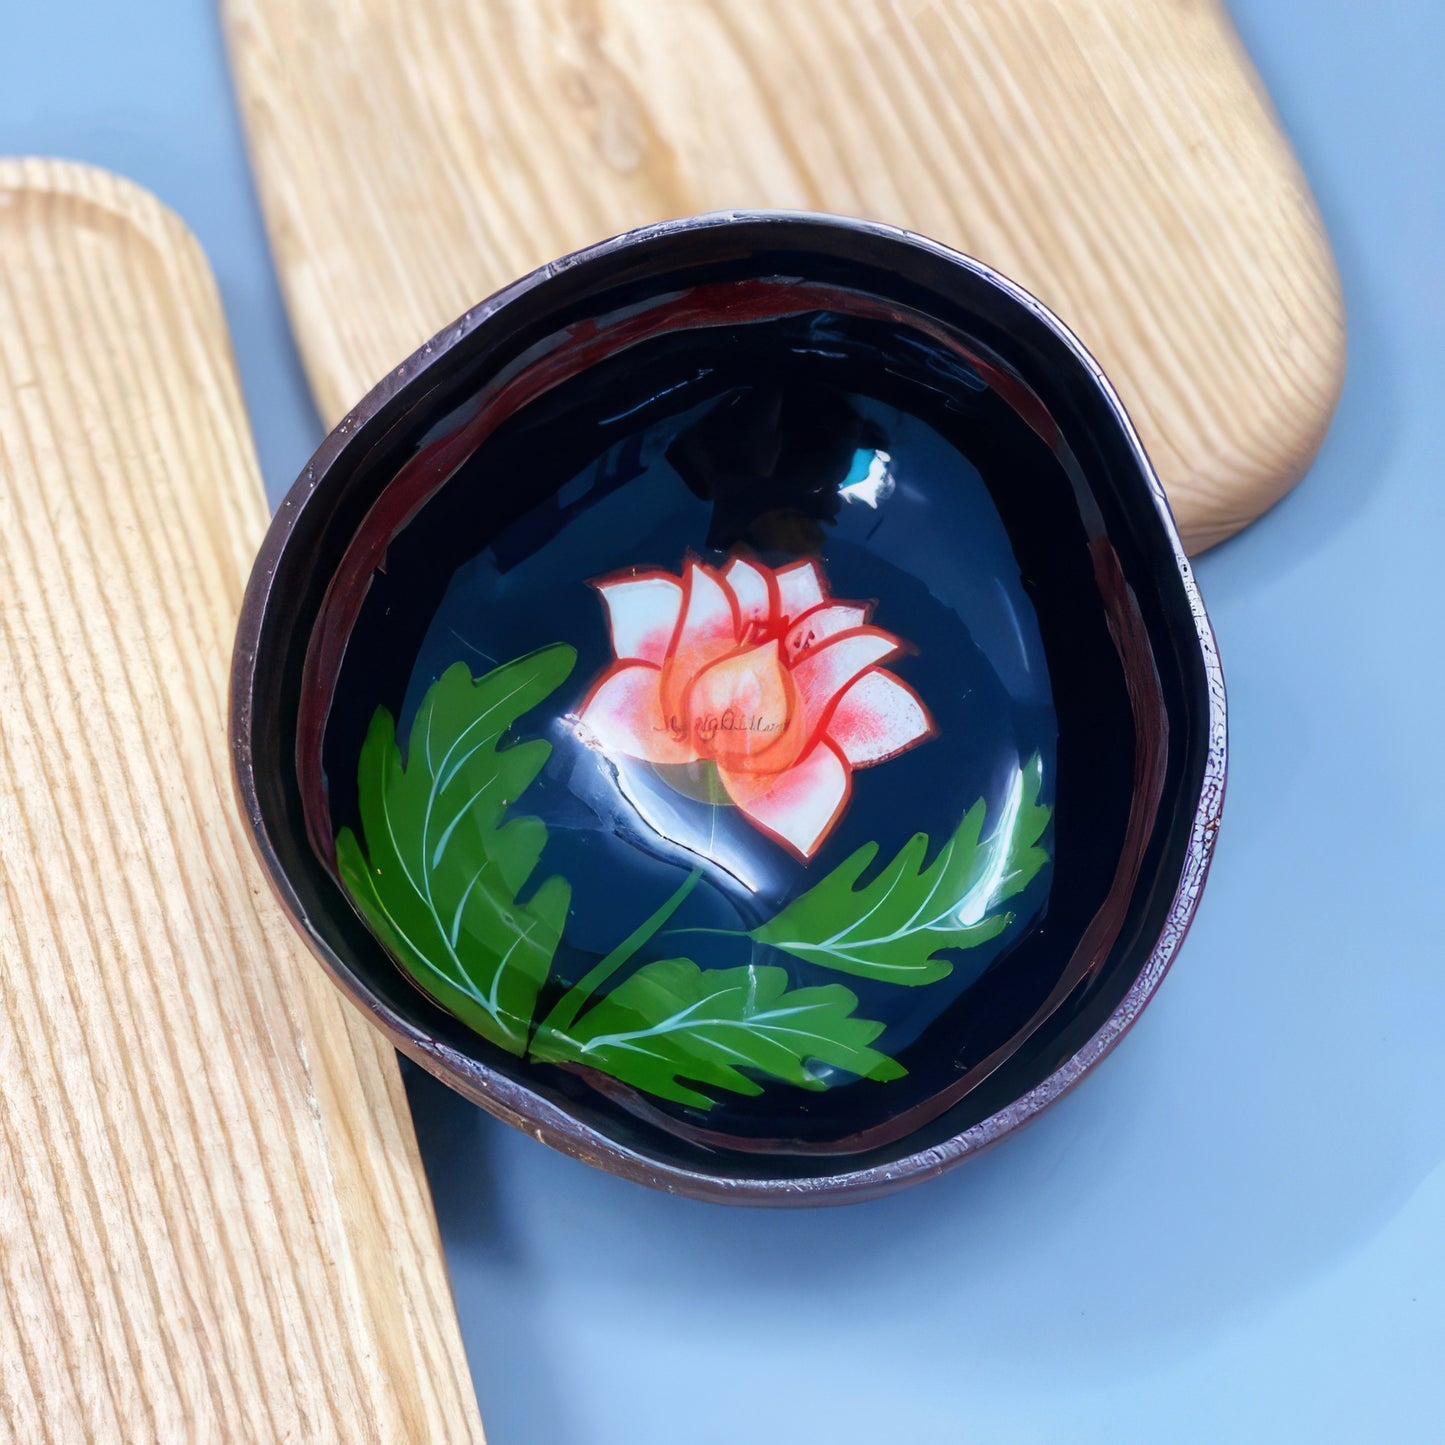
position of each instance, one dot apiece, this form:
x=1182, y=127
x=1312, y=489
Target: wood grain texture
x=1117, y=157
x=213, y=1219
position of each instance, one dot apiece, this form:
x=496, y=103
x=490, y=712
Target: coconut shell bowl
x=734, y=705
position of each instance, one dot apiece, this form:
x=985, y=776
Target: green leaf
x=894, y=927
x=439, y=874
x=673, y=1021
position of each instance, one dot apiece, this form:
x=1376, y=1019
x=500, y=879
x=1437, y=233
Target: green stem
x=570, y=1005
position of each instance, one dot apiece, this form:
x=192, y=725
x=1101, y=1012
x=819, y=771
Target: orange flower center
x=741, y=710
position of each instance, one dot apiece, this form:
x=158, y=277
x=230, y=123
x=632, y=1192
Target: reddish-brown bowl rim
x=513, y=1101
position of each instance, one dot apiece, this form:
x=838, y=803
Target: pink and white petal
x=822, y=673
x=800, y=588
x=802, y=805
x=749, y=585
x=642, y=613
x=708, y=631
x=709, y=611
x=877, y=718
x=821, y=623
x=624, y=715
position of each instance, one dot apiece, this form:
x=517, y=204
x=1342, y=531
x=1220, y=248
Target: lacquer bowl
x=734, y=705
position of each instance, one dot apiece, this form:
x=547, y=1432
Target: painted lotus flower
x=760, y=673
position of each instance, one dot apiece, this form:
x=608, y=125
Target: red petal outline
x=819, y=711
x=770, y=585
x=622, y=579
x=866, y=608
x=692, y=564
x=927, y=735
x=819, y=580
x=761, y=794
x=667, y=749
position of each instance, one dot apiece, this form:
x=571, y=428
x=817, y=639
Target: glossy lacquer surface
x=731, y=717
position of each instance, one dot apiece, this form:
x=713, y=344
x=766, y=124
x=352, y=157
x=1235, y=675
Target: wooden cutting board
x=1117, y=157
x=213, y=1218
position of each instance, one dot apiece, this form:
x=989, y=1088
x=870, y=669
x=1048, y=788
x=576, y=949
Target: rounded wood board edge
x=220, y=1224
x=1117, y=157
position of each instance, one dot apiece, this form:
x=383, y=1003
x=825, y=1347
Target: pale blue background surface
x=1236, y=1229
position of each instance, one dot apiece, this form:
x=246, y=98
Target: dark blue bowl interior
x=777, y=389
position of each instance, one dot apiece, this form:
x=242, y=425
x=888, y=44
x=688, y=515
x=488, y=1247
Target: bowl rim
x=513, y=1101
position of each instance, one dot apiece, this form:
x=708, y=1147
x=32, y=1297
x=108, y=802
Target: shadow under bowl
x=735, y=706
